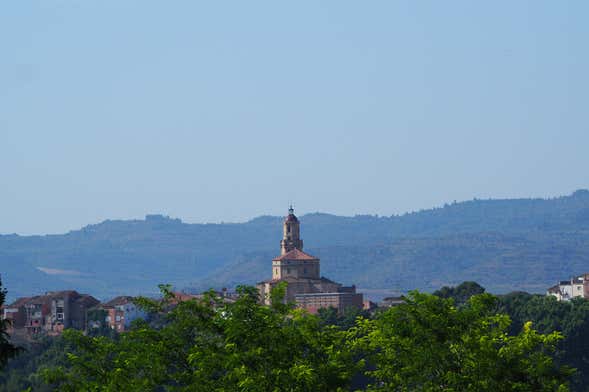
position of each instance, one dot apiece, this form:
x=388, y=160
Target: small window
x=288, y=229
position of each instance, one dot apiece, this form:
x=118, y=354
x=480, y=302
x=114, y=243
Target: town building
x=50, y=313
x=116, y=314
x=369, y=305
x=15, y=313
x=576, y=287
x=224, y=295
x=302, y=274
x=389, y=302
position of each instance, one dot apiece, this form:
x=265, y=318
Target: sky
x=223, y=111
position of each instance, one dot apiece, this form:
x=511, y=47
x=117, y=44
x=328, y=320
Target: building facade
x=50, y=313
x=576, y=287
x=302, y=274
x=116, y=314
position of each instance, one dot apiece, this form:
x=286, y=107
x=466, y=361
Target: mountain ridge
x=451, y=243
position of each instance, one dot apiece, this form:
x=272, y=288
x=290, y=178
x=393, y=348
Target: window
x=288, y=229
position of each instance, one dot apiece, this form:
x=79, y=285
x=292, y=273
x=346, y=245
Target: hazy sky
x=221, y=111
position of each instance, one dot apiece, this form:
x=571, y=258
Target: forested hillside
x=503, y=244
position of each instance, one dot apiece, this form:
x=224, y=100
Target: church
x=301, y=272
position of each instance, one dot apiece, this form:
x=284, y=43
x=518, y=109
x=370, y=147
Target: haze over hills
x=517, y=244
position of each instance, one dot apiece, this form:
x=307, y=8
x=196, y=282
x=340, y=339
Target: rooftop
x=296, y=254
x=120, y=300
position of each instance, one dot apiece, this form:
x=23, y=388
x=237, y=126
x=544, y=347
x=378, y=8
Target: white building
x=576, y=287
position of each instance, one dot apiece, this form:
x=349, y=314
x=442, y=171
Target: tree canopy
x=429, y=344
x=207, y=344
x=461, y=293
x=7, y=349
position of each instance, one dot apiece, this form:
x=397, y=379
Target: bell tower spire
x=291, y=237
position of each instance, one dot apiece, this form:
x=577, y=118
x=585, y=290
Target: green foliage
x=571, y=318
x=7, y=349
x=461, y=293
x=22, y=372
x=345, y=321
x=97, y=325
x=428, y=344
x=278, y=298
x=207, y=345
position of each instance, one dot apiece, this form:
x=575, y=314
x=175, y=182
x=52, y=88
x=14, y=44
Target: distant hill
x=518, y=244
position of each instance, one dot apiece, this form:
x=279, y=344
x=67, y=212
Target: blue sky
x=222, y=111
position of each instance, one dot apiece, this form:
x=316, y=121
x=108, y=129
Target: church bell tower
x=291, y=237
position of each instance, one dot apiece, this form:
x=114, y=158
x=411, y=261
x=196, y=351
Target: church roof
x=296, y=254
x=294, y=279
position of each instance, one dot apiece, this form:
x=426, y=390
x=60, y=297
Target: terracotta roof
x=39, y=300
x=121, y=300
x=62, y=292
x=87, y=300
x=295, y=279
x=296, y=254
x=179, y=297
x=50, y=295
x=554, y=289
x=19, y=302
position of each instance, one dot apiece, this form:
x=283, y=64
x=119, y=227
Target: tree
x=461, y=293
x=571, y=318
x=208, y=345
x=425, y=344
x=21, y=372
x=429, y=344
x=7, y=349
x=345, y=320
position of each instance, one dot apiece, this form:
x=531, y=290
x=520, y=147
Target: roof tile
x=295, y=254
